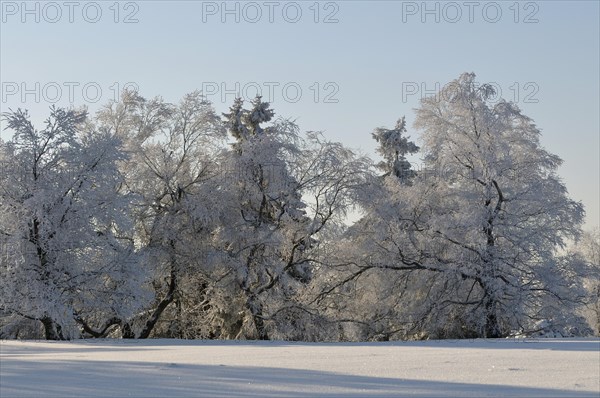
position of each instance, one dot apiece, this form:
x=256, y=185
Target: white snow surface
x=180, y=368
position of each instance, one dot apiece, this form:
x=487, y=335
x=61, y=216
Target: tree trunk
x=260, y=327
x=100, y=333
x=126, y=331
x=492, y=327
x=164, y=303
x=257, y=318
x=52, y=330
x=151, y=322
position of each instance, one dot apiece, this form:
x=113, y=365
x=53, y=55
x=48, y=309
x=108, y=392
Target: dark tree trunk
x=52, y=330
x=492, y=327
x=151, y=322
x=98, y=333
x=126, y=331
x=260, y=327
x=162, y=305
x=257, y=318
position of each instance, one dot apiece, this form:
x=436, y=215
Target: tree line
x=151, y=219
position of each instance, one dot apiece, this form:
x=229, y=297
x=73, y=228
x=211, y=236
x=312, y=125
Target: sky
x=341, y=67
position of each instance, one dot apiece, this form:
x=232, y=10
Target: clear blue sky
x=369, y=68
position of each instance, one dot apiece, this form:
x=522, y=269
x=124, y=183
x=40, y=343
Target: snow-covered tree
x=476, y=238
x=147, y=219
x=228, y=234
x=286, y=192
x=394, y=146
x=588, y=248
x=497, y=207
x=63, y=224
x=170, y=172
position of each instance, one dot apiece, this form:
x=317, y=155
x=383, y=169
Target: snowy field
x=175, y=368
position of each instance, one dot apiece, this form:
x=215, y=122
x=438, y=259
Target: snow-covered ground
x=175, y=368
